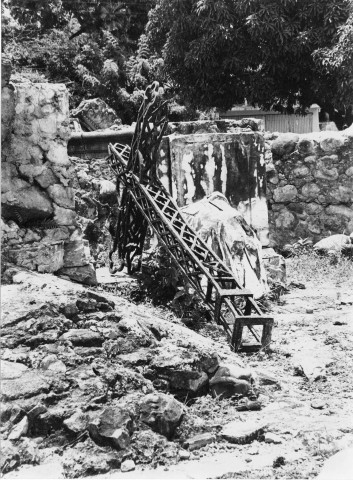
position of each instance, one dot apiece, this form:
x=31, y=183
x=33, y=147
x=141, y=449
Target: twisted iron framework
x=144, y=201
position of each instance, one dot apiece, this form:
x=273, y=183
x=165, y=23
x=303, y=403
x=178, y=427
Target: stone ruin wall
x=309, y=190
x=221, y=155
x=202, y=161
x=39, y=227
x=310, y=186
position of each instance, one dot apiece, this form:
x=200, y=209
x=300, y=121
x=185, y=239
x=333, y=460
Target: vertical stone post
x=38, y=206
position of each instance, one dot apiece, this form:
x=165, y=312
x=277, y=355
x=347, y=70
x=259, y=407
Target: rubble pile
x=93, y=382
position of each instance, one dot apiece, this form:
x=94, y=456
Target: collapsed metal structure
x=144, y=201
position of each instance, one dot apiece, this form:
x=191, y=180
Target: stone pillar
x=230, y=163
x=38, y=206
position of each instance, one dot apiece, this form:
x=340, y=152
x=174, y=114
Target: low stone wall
x=39, y=228
x=310, y=186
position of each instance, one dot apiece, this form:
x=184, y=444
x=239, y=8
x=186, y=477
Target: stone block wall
x=39, y=228
x=310, y=186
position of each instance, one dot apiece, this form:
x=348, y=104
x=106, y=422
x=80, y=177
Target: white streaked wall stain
x=224, y=171
x=187, y=158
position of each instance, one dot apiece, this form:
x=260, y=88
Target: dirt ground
x=306, y=389
x=308, y=399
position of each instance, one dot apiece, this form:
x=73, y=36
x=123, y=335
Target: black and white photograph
x=176, y=240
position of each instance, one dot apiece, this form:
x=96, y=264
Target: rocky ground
x=95, y=385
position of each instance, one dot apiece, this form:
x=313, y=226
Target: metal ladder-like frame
x=193, y=256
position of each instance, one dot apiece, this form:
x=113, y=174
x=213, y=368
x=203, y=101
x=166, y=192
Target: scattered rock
x=85, y=274
x=35, y=411
x=78, y=422
x=272, y=438
x=19, y=430
x=242, y=432
x=151, y=447
x=199, y=441
x=318, y=404
x=185, y=366
x=127, y=466
x=334, y=242
x=311, y=370
x=47, y=423
x=9, y=458
x=184, y=455
x=162, y=413
x=120, y=438
x=253, y=450
x=83, y=337
x=112, y=427
x=265, y=378
x=279, y=462
x=230, y=380
x=19, y=381
x=53, y=364
x=247, y=405
x=11, y=371
x=87, y=459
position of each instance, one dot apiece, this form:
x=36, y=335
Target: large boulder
x=18, y=381
x=84, y=337
x=231, y=380
x=85, y=274
x=162, y=413
x=112, y=427
x=225, y=230
x=183, y=371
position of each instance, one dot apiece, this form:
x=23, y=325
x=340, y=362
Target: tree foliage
x=279, y=54
x=271, y=52
x=337, y=63
x=89, y=45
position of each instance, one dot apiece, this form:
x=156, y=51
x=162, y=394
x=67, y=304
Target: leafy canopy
x=270, y=52
x=93, y=46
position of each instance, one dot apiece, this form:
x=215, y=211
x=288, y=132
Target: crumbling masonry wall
x=310, y=186
x=39, y=229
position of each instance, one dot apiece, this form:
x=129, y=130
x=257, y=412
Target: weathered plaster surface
x=230, y=163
